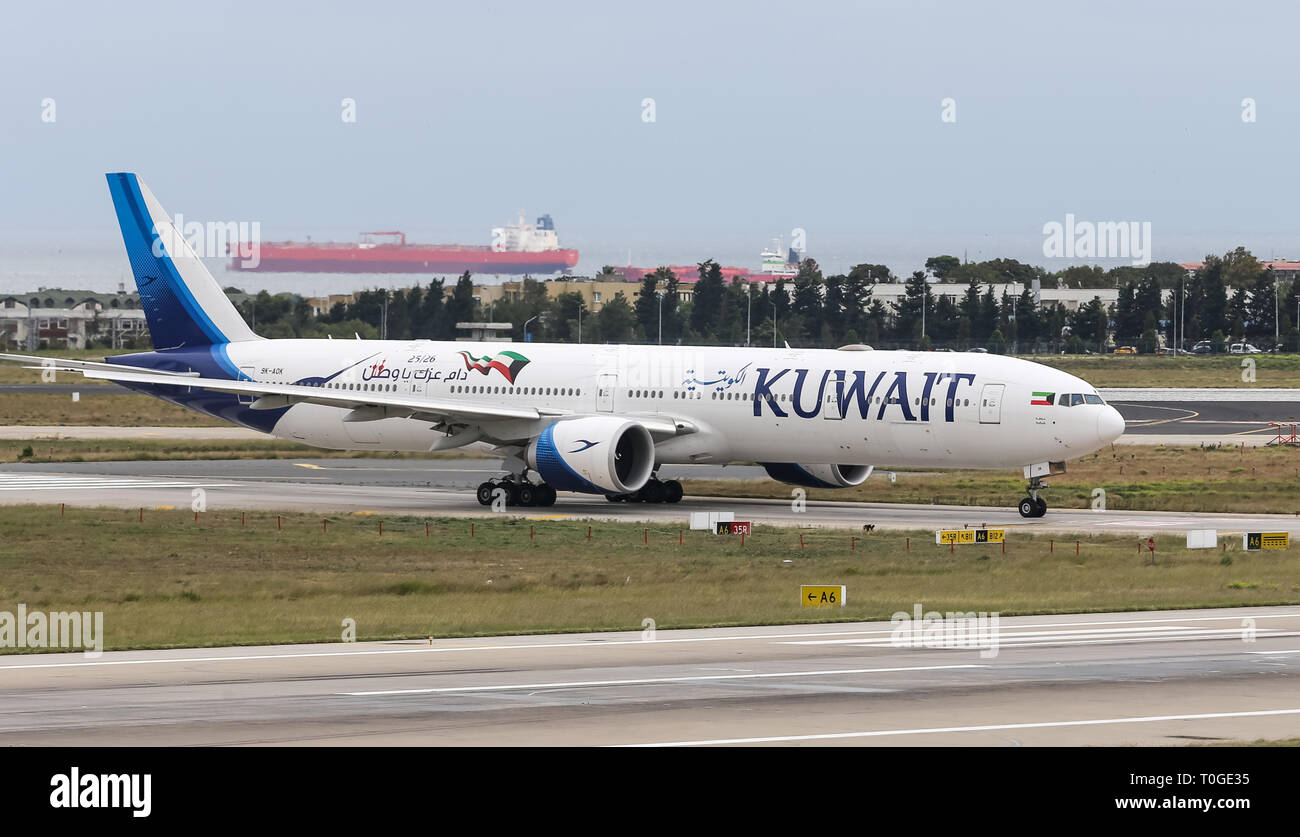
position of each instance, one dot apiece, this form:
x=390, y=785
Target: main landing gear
x=653, y=491
x=517, y=492
x=1033, y=505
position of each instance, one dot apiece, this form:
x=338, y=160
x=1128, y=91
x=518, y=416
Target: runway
x=444, y=488
x=1156, y=678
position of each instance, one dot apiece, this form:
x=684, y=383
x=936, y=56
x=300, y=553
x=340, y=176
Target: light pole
x=749, y=307
x=1277, y=325
x=660, y=296
x=773, y=325
x=579, y=323
x=526, y=322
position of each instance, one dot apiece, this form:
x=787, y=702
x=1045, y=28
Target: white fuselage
x=885, y=408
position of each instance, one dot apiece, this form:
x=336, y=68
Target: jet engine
x=596, y=455
x=818, y=476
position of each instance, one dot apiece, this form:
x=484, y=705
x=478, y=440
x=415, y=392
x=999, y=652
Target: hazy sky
x=767, y=117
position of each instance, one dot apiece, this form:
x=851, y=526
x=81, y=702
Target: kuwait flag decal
x=508, y=364
x=1042, y=399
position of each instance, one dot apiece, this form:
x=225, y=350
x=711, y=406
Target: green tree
x=706, y=303
x=616, y=321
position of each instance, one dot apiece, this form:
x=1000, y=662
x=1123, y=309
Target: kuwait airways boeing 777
x=593, y=419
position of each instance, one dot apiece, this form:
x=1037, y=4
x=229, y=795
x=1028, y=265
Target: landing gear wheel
x=614, y=498
x=654, y=492
x=1041, y=505
x=545, y=495
x=485, y=493
x=526, y=495
x=1029, y=507
x=673, y=491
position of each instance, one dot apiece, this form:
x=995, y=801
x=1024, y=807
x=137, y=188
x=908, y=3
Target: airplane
x=593, y=419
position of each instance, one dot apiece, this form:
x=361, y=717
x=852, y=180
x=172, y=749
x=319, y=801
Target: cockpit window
x=1093, y=399
x=1075, y=399
x=1064, y=400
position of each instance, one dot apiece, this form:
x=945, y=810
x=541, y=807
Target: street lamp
x=526, y=322
x=660, y=296
x=749, y=305
x=773, y=325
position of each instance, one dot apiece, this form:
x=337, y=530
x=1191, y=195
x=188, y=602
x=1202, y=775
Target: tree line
x=1230, y=297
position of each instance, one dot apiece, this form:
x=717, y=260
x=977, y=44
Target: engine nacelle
x=595, y=455
x=818, y=476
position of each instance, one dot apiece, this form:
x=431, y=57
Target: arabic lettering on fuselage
x=852, y=390
x=720, y=383
x=414, y=371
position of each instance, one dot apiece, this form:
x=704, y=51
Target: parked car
x=1243, y=349
x=979, y=349
x=1203, y=348
x=1125, y=350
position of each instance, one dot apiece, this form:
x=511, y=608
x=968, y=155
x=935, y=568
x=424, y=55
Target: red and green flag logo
x=508, y=364
x=1042, y=399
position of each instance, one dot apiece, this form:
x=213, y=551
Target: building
x=1284, y=269
x=486, y=332
x=58, y=318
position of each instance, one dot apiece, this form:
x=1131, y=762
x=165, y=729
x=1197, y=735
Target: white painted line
x=1270, y=653
x=773, y=739
x=613, y=643
x=650, y=680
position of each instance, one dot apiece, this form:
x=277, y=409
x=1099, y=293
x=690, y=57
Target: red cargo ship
x=515, y=249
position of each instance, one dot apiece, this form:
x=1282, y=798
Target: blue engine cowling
x=594, y=455
x=818, y=476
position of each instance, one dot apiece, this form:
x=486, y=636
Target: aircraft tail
x=183, y=304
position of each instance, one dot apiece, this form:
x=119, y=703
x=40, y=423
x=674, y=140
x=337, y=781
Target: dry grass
x=1271, y=371
x=171, y=581
x=99, y=410
x=1253, y=480
x=116, y=450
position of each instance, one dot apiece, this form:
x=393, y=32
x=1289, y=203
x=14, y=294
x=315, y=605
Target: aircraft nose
x=1110, y=425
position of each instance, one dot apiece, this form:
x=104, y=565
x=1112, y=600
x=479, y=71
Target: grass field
x=105, y=410
x=1272, y=371
x=1157, y=478
x=116, y=450
x=172, y=581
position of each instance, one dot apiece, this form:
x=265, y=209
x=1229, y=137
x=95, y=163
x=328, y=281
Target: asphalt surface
x=1157, y=678
x=445, y=488
x=1251, y=421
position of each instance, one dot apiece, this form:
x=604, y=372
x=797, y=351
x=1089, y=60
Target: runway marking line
x=613, y=643
x=831, y=736
x=651, y=680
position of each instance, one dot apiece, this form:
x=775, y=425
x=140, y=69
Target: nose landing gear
x=1033, y=505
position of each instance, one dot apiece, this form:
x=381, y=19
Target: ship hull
x=273, y=259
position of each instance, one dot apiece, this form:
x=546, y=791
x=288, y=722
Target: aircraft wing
x=367, y=405
x=59, y=364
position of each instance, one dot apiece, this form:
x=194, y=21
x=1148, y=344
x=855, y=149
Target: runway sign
x=1265, y=540
x=1202, y=538
x=821, y=595
x=970, y=535
x=708, y=521
x=734, y=527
